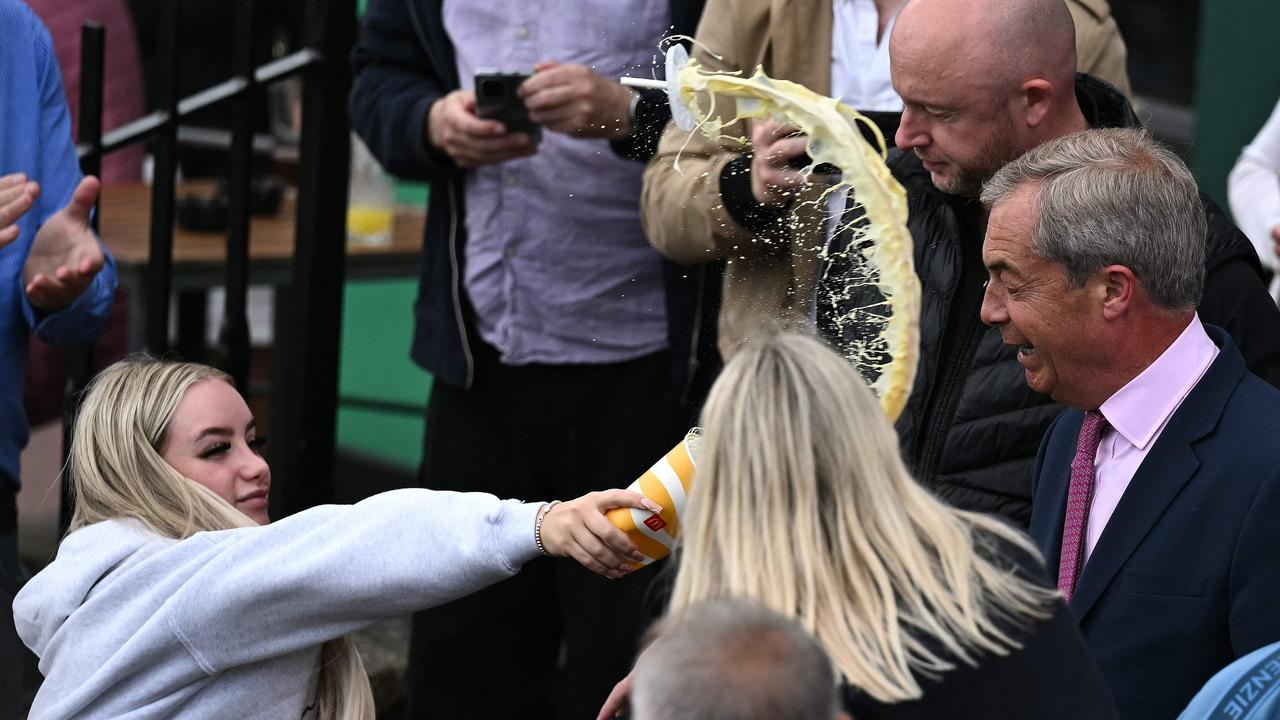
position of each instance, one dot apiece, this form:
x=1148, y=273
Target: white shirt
x=859, y=64
x=859, y=70
x=1253, y=189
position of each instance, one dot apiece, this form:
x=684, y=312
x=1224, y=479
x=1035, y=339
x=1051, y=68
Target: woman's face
x=212, y=439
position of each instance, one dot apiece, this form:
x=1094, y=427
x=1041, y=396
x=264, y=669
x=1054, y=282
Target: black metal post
x=233, y=350
x=93, y=53
x=165, y=150
x=93, y=46
x=305, y=369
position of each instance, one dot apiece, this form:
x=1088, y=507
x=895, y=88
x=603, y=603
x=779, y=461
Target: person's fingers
x=1275, y=233
x=11, y=192
x=598, y=551
x=762, y=130
x=588, y=561
x=615, y=498
x=83, y=199
x=616, y=703
x=614, y=538
x=785, y=131
x=17, y=207
x=783, y=151
x=92, y=264
x=13, y=179
x=552, y=99
x=468, y=125
x=768, y=131
x=45, y=292
x=551, y=76
x=8, y=235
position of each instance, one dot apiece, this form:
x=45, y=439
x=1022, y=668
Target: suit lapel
x=1049, y=506
x=801, y=43
x=1168, y=467
x=1159, y=479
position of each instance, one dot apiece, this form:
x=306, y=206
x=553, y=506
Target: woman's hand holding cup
x=579, y=529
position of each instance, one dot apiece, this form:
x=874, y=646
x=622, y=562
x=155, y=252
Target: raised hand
x=66, y=254
x=17, y=196
x=773, y=181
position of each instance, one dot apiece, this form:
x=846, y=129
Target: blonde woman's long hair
x=802, y=503
x=117, y=472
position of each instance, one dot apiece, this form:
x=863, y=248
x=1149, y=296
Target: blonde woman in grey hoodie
x=172, y=596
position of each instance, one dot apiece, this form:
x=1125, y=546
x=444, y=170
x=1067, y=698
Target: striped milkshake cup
x=667, y=483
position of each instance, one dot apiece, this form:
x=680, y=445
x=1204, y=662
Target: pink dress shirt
x=1138, y=413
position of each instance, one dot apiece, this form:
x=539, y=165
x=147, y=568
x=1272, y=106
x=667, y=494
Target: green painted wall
x=1238, y=83
x=377, y=328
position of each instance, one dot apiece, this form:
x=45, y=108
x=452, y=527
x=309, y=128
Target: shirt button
x=512, y=179
x=509, y=253
x=522, y=33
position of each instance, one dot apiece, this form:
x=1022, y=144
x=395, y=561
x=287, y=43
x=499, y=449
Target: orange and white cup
x=667, y=483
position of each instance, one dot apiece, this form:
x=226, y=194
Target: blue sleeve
x=58, y=172
x=80, y=322
x=392, y=93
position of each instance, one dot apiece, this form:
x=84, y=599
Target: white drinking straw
x=643, y=83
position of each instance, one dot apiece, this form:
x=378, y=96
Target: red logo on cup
x=655, y=523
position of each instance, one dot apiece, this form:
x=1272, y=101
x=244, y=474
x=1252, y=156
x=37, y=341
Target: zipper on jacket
x=453, y=271
x=962, y=315
x=937, y=426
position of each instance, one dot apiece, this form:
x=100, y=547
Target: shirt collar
x=1143, y=406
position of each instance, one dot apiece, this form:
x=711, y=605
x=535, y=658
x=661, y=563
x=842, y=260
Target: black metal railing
x=303, y=402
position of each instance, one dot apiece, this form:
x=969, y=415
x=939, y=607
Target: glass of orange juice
x=370, y=199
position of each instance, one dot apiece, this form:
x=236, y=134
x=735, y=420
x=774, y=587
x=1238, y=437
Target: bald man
x=714, y=207
x=983, y=81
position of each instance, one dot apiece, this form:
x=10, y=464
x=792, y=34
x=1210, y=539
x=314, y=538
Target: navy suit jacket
x=1185, y=577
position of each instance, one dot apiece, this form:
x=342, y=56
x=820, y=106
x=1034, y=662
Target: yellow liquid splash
x=887, y=344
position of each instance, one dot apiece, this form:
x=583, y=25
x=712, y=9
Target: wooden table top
x=125, y=225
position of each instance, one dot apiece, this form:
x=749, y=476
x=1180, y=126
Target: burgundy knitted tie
x=1079, y=497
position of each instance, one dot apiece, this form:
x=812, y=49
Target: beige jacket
x=1100, y=50
x=770, y=274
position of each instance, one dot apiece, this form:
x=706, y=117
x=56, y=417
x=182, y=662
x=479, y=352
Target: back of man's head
x=732, y=660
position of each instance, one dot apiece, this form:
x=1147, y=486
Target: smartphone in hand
x=498, y=98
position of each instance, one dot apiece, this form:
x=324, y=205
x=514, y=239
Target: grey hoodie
x=228, y=624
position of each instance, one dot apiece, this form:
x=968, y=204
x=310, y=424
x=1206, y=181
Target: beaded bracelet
x=537, y=526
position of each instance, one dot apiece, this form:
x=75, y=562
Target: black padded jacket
x=971, y=427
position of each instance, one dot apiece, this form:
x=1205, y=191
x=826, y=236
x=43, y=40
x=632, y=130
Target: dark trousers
x=12, y=652
x=552, y=641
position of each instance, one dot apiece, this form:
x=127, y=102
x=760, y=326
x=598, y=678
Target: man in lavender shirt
x=1156, y=494
x=542, y=314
